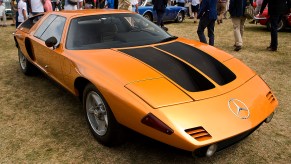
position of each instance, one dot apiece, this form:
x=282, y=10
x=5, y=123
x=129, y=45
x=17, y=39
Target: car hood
x=169, y=73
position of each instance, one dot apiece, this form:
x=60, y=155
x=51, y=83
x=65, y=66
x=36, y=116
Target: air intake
x=270, y=97
x=199, y=133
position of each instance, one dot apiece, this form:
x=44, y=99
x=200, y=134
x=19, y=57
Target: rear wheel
x=26, y=67
x=100, y=118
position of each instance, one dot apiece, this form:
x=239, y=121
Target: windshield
x=112, y=31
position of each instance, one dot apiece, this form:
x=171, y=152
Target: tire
x=148, y=16
x=26, y=67
x=180, y=17
x=100, y=118
x=281, y=25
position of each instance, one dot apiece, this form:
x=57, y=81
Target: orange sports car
x=130, y=73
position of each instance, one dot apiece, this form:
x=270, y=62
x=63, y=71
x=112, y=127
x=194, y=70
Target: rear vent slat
x=198, y=133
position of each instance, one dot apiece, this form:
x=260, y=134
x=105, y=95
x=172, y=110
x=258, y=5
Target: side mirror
x=51, y=42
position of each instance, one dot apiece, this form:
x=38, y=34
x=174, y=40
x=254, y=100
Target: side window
x=55, y=29
x=44, y=25
x=30, y=22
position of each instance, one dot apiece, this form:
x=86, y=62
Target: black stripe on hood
x=201, y=60
x=173, y=68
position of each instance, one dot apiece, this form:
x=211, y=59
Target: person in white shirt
x=22, y=11
x=134, y=3
x=36, y=7
x=195, y=8
x=80, y=4
x=70, y=5
x=2, y=14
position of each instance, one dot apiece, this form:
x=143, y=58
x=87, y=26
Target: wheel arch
x=148, y=12
x=80, y=84
x=183, y=15
x=16, y=42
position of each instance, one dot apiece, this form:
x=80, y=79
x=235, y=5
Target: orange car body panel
x=134, y=89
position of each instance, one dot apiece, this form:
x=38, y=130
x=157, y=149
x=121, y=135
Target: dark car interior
x=112, y=31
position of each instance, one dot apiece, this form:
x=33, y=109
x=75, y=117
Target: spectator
x=54, y=4
x=195, y=9
x=221, y=9
x=258, y=6
x=180, y=3
x=47, y=5
x=110, y=4
x=80, y=4
x=127, y=5
x=226, y=9
x=22, y=11
x=116, y=2
x=89, y=4
x=276, y=8
x=36, y=7
x=207, y=15
x=70, y=5
x=59, y=5
x=160, y=8
x=236, y=10
x=2, y=14
x=13, y=5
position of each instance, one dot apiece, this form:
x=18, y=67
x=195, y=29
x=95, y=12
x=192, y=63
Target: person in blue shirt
x=207, y=15
x=109, y=4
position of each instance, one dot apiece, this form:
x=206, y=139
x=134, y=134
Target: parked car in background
x=8, y=10
x=173, y=13
x=285, y=21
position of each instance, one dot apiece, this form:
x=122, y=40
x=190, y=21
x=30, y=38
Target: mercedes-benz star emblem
x=239, y=108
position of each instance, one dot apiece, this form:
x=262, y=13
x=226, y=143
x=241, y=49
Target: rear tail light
x=154, y=122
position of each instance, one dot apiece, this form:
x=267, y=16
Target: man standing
x=276, y=8
x=207, y=15
x=2, y=13
x=22, y=11
x=71, y=5
x=160, y=8
x=221, y=9
x=236, y=10
x=195, y=8
x=36, y=7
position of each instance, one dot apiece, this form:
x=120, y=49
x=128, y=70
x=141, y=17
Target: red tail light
x=154, y=122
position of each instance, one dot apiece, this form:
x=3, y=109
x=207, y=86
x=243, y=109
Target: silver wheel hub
x=96, y=113
x=22, y=60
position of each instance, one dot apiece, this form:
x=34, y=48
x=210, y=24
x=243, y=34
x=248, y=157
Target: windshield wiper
x=167, y=39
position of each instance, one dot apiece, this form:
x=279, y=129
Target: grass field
x=42, y=123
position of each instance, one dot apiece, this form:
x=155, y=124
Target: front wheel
x=100, y=118
x=180, y=17
x=148, y=16
x=26, y=67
